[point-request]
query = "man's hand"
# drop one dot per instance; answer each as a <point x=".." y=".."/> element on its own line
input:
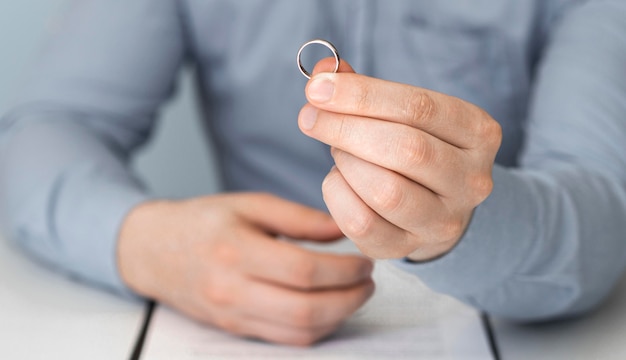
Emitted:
<point x="411" y="164"/>
<point x="217" y="260"/>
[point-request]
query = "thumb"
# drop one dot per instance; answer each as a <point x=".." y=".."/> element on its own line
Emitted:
<point x="292" y="220"/>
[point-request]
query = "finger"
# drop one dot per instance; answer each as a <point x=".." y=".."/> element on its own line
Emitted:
<point x="283" y="217"/>
<point x="328" y="65"/>
<point x="304" y="309"/>
<point x="289" y="265"/>
<point x="448" y="118"/>
<point x="248" y="326"/>
<point x="411" y="152"/>
<point x="398" y="200"/>
<point x="373" y="235"/>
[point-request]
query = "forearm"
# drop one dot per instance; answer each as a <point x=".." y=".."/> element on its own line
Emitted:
<point x="64" y="193"/>
<point x="549" y="241"/>
<point x="542" y="245"/>
<point x="65" y="183"/>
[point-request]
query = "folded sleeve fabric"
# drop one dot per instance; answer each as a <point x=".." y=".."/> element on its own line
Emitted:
<point x="65" y="184"/>
<point x="550" y="241"/>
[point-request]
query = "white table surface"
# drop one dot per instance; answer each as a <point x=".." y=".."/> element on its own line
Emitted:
<point x="44" y="315"/>
<point x="599" y="335"/>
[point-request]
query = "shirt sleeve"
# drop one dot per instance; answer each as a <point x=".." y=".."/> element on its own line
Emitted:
<point x="550" y="241"/>
<point x="65" y="183"/>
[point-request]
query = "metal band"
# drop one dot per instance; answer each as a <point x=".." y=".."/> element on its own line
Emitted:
<point x="321" y="42"/>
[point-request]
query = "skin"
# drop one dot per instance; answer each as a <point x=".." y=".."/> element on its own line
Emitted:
<point x="410" y="164"/>
<point x="217" y="260"/>
<point x="410" y="167"/>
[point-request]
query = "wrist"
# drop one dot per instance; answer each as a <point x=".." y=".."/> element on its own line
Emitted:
<point x="139" y="232"/>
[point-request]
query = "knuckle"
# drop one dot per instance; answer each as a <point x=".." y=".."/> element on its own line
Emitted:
<point x="415" y="151"/>
<point x="495" y="135"/>
<point x="362" y="99"/>
<point x="495" y="129"/>
<point x="421" y="108"/>
<point x="360" y="224"/>
<point x="225" y="254"/>
<point x="489" y="131"/>
<point x="390" y="196"/>
<point x="304" y="272"/>
<point x="452" y="230"/>
<point x="344" y="128"/>
<point x="217" y="293"/>
<point x="482" y="186"/>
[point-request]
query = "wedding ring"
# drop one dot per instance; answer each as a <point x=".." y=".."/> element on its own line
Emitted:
<point x="321" y="42"/>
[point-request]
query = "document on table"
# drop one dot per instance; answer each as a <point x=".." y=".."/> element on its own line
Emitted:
<point x="402" y="320"/>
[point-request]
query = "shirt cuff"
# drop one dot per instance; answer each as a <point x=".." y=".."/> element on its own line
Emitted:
<point x="97" y="257"/>
<point x="67" y="210"/>
<point x="497" y="240"/>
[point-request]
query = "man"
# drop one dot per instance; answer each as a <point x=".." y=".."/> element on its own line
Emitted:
<point x="497" y="174"/>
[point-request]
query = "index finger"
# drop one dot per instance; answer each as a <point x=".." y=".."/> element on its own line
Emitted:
<point x="328" y="65"/>
<point x="292" y="266"/>
<point x="448" y="118"/>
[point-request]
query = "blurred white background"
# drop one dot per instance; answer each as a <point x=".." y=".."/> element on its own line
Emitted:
<point x="177" y="162"/>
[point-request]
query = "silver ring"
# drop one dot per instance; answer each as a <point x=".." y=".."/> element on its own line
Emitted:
<point x="321" y="42"/>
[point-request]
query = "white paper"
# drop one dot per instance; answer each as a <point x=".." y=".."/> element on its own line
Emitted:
<point x="403" y="320"/>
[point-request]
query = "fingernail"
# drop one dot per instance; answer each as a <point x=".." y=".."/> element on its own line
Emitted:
<point x="308" y="117"/>
<point x="321" y="89"/>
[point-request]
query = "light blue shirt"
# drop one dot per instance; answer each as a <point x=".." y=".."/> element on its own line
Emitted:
<point x="550" y="241"/>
